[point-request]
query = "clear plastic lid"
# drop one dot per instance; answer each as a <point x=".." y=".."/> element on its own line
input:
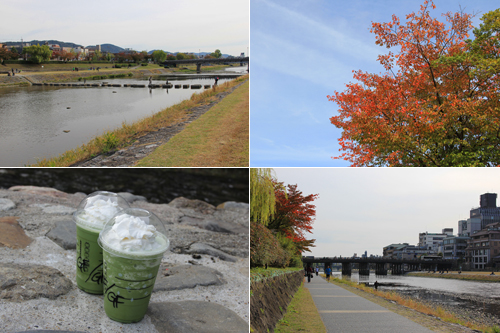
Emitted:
<point x="132" y="234"/>
<point x="97" y="208"/>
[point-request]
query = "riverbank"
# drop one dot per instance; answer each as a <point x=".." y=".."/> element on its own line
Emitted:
<point x="442" y="318"/>
<point x="30" y="73"/>
<point x="130" y="143"/>
<point x="472" y="276"/>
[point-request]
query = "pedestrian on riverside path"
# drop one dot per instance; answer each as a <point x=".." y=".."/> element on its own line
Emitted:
<point x="328" y="272"/>
<point x="309" y="273"/>
<point x="317" y="271"/>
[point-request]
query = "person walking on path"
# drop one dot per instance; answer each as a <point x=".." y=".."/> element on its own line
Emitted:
<point x="309" y="273"/>
<point x="328" y="272"/>
<point x="317" y="271"/>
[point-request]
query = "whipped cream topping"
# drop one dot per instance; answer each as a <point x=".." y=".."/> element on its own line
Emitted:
<point x="98" y="211"/>
<point x="131" y="234"/>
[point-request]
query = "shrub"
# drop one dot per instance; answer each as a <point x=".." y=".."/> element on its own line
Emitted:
<point x="265" y="248"/>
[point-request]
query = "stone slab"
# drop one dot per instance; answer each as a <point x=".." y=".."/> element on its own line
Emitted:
<point x="21" y="282"/>
<point x="200" y="248"/>
<point x="11" y="233"/>
<point x="6" y="204"/>
<point x="186" y="276"/>
<point x="64" y="234"/>
<point x="195" y="317"/>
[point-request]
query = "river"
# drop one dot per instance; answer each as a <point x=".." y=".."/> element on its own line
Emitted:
<point x="454" y="295"/>
<point x="35" y="120"/>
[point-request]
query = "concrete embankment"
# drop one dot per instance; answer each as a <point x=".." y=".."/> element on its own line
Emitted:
<point x="269" y="299"/>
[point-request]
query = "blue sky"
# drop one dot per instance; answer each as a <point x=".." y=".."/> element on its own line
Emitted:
<point x="302" y="51"/>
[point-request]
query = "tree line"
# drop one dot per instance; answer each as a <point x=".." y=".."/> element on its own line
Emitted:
<point x="38" y="54"/>
<point x="280" y="218"/>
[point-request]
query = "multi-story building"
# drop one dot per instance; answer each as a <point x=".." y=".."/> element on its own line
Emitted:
<point x="454" y="247"/>
<point x="405" y="251"/>
<point x="432" y="241"/>
<point x="469" y="226"/>
<point x="487" y="212"/>
<point x="483" y="247"/>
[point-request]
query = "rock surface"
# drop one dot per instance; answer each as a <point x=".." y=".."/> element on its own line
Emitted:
<point x="193" y="316"/>
<point x="11" y="233"/>
<point x="37" y="282"/>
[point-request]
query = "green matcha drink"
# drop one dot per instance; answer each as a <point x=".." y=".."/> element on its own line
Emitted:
<point x="92" y="213"/>
<point x="132" y="252"/>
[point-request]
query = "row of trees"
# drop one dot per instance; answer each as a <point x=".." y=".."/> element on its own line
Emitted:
<point x="280" y="217"/>
<point x="438" y="104"/>
<point x="38" y="54"/>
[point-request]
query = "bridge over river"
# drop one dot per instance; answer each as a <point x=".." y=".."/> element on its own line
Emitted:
<point x="382" y="265"/>
<point x="199" y="62"/>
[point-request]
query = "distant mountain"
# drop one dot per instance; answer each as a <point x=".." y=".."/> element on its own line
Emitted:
<point x="111" y="48"/>
<point x="41" y="42"/>
<point x="104" y="47"/>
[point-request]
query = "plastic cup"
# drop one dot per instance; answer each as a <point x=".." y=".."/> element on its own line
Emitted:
<point x="129" y="276"/>
<point x="89" y="275"/>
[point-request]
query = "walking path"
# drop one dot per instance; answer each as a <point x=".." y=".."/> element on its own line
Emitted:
<point x="345" y="312"/>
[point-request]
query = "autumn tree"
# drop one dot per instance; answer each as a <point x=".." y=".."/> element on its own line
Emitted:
<point x="432" y="107"/>
<point x="294" y="215"/>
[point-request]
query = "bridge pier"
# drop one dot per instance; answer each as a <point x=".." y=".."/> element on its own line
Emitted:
<point x="364" y="268"/>
<point x="380" y="269"/>
<point x="397" y="269"/>
<point x="198" y="67"/>
<point x="346" y="268"/>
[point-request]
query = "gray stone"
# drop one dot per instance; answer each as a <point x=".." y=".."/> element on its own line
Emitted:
<point x="196" y="317"/>
<point x="131" y="197"/>
<point x="187" y="276"/>
<point x="21" y="282"/>
<point x="6" y="204"/>
<point x="50" y="331"/>
<point x="214" y="225"/>
<point x="201" y="248"/>
<point x="64" y="234"/>
<point x="56" y="209"/>
<point x="196" y="205"/>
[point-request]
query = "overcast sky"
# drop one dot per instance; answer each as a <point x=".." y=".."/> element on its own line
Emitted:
<point x="365" y="209"/>
<point x="170" y="25"/>
<point x="303" y="51"/>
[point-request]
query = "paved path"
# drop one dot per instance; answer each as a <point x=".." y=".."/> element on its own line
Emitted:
<point x="345" y="312"/>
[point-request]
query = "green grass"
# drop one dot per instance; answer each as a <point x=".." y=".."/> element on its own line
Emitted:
<point x="301" y="315"/>
<point x="219" y="138"/>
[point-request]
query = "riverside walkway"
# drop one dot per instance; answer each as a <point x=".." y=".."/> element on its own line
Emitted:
<point x="345" y="312"/>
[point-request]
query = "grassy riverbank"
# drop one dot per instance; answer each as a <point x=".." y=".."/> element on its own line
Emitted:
<point x="471" y="276"/>
<point x="301" y="315"/>
<point x="420" y="307"/>
<point x="128" y="133"/>
<point x="218" y="139"/>
<point x="63" y="72"/>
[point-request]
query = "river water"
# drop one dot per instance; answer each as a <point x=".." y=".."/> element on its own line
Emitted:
<point x="455" y="295"/>
<point x="33" y="119"/>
